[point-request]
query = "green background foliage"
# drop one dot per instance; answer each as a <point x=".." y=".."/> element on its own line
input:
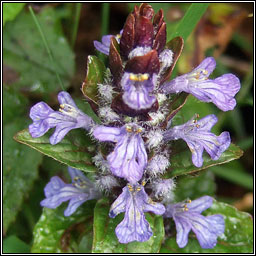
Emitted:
<point x="30" y="76"/>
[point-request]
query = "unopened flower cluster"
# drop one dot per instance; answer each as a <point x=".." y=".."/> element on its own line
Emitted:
<point x="136" y="130"/>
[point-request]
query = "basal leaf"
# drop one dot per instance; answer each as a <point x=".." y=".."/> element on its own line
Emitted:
<point x="237" y="238"/>
<point x="11" y="10"/>
<point x="20" y="170"/>
<point x="85" y="245"/>
<point x="24" y="51"/>
<point x="74" y="150"/>
<point x="14" y="104"/>
<point x="55" y="233"/>
<point x="105" y="240"/>
<point x="94" y="75"/>
<point x="13" y="244"/>
<point x="181" y="162"/>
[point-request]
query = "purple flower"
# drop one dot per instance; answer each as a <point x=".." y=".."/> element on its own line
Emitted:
<point x="79" y="191"/>
<point x="198" y="137"/>
<point x="138" y="90"/>
<point x="188" y="216"/>
<point x="67" y="118"/>
<point x="129" y="157"/>
<point x="104" y="45"/>
<point x="134" y="202"/>
<point x="220" y="91"/>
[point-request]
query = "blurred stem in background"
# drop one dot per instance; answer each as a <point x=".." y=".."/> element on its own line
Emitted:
<point x="104" y="25"/>
<point x="78" y="7"/>
<point x="242" y="97"/>
<point x="46" y="46"/>
<point x="105" y="18"/>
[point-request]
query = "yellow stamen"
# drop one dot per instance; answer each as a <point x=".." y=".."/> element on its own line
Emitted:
<point x="130" y="187"/>
<point x="133" y="77"/>
<point x="128" y="128"/>
<point x="197" y="75"/>
<point x="144" y="77"/>
<point x="139" y="77"/>
<point x="139" y="130"/>
<point x="205" y="72"/>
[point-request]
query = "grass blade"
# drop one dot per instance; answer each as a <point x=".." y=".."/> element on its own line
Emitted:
<point x="78" y="7"/>
<point x="189" y="21"/>
<point x="46" y="45"/>
<point x="104" y="26"/>
<point x="105" y="18"/>
<point x="234" y="172"/>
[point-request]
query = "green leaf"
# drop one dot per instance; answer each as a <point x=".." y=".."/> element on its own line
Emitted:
<point x="14" y="104"/>
<point x="83" y="105"/>
<point x="189" y="21"/>
<point x="181" y="162"/>
<point x="191" y="107"/>
<point x="74" y="150"/>
<point x="30" y="210"/>
<point x="24" y="51"/>
<point x="105" y="240"/>
<point x="20" y="170"/>
<point x="246" y="143"/>
<point x="11" y="10"/>
<point x="237" y="238"/>
<point x="95" y="75"/>
<point x="243" y="42"/>
<point x="85" y="245"/>
<point x="13" y="244"/>
<point x="55" y="233"/>
<point x="247" y="83"/>
<point x="193" y="187"/>
<point x="234" y="172"/>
